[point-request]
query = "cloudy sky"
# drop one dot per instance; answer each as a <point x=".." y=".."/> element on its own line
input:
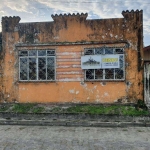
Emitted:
<point x="41" y="10"/>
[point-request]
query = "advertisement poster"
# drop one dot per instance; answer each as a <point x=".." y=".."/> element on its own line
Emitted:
<point x="91" y="62"/>
<point x="110" y="61"/>
<point x="99" y="61"/>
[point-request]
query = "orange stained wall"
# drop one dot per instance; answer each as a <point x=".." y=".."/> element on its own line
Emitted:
<point x="69" y="35"/>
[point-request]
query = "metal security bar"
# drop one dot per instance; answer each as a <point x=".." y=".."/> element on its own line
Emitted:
<point x="37" y="65"/>
<point x="108" y="73"/>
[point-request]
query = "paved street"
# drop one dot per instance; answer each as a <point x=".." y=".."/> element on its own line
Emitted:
<point x="73" y="138"/>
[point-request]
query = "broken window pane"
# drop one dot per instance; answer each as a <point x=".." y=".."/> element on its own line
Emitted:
<point x="42" y="68"/>
<point x="32" y="68"/>
<point x="23" y="69"/>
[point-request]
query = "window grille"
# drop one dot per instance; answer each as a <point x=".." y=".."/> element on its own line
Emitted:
<point x="37" y="65"/>
<point x="107" y="73"/>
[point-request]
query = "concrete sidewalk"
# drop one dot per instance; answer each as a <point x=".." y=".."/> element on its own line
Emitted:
<point x="68" y="119"/>
<point x="73" y="138"/>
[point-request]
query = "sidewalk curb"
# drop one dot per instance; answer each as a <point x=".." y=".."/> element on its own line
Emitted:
<point x="78" y="120"/>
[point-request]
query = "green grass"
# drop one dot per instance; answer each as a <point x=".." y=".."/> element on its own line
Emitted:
<point x="4" y="108"/>
<point x="27" y="108"/>
<point x="22" y="108"/>
<point x="112" y="110"/>
<point x="38" y="110"/>
<point x="136" y="110"/>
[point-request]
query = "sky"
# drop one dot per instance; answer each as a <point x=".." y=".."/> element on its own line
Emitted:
<point x="41" y="10"/>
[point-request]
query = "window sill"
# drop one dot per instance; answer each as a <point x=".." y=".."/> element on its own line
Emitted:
<point x="42" y="81"/>
<point x="105" y="80"/>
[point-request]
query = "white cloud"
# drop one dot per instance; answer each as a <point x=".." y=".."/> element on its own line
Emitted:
<point x="41" y="10"/>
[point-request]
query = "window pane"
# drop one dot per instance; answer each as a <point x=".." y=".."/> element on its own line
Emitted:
<point x="108" y="50"/>
<point x="119" y="74"/>
<point x="23" y="53"/>
<point x="32" y="53"/>
<point x="109" y="73"/>
<point x="50" y="68"/>
<point x="121" y="61"/>
<point x="99" y="51"/>
<point x="99" y="74"/>
<point x="23" y="69"/>
<point x="90" y="74"/>
<point x="119" y="51"/>
<point x="42" y="53"/>
<point x="42" y="68"/>
<point x="51" y="53"/>
<point x="32" y="68"/>
<point x="89" y="52"/>
<point x="37" y="65"/>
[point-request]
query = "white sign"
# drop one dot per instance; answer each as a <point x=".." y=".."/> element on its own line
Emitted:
<point x="99" y="61"/>
<point x="110" y="61"/>
<point x="91" y="62"/>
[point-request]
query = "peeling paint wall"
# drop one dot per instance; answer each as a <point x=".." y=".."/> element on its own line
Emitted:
<point x="69" y="35"/>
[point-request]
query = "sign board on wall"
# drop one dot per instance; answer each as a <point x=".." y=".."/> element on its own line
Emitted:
<point x="110" y="61"/>
<point x="91" y="62"/>
<point x="99" y="61"/>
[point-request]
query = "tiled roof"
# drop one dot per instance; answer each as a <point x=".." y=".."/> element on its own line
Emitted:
<point x="146" y="48"/>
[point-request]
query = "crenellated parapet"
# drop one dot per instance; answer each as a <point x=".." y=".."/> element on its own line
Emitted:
<point x="9" y="23"/>
<point x="67" y="16"/>
<point x="131" y="15"/>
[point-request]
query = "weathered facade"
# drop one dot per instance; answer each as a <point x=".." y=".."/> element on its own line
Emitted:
<point x="72" y="59"/>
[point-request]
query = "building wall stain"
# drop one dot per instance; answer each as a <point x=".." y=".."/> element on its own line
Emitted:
<point x="69" y="35"/>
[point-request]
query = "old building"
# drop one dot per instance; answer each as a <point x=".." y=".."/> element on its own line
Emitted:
<point x="73" y="59"/>
<point x="146" y="54"/>
<point x="147" y="75"/>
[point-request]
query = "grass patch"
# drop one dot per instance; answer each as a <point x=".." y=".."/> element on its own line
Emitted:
<point x="137" y="110"/>
<point x="38" y="110"/>
<point x="4" y="108"/>
<point x="22" y="108"/>
<point x="112" y="110"/>
<point x="133" y="111"/>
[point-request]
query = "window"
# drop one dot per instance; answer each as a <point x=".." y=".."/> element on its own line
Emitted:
<point x="37" y="65"/>
<point x="106" y="73"/>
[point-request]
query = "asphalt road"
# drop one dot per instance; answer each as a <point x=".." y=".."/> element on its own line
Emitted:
<point x="73" y="138"/>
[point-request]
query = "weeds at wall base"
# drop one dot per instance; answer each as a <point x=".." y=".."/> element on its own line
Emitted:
<point x="126" y="110"/>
